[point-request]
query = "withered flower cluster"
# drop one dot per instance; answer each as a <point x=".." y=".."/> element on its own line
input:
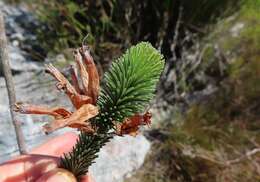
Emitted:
<point x="83" y="93"/>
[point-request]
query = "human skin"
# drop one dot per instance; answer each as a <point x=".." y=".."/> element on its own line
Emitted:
<point x="41" y="164"/>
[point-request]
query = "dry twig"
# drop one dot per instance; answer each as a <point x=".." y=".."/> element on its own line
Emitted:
<point x="4" y="59"/>
<point x="247" y="155"/>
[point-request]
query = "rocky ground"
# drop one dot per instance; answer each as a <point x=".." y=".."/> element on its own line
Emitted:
<point x="216" y="139"/>
<point x="34" y="86"/>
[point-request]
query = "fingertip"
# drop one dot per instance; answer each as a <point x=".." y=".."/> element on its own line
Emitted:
<point x="57" y="175"/>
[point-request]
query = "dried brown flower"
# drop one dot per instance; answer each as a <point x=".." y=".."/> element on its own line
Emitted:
<point x="83" y="98"/>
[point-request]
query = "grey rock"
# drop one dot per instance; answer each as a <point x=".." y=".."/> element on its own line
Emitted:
<point x="33" y="88"/>
<point x="120" y="158"/>
<point x="236" y="29"/>
<point x="19" y="22"/>
<point x="20" y="63"/>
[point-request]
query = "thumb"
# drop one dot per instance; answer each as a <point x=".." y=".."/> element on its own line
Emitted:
<point x="57" y="175"/>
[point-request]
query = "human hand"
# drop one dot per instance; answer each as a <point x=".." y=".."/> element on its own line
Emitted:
<point x="41" y="164"/>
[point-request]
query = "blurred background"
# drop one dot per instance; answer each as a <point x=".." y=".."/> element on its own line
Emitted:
<point x="206" y="113"/>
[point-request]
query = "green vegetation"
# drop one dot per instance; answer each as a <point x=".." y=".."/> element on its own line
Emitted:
<point x="118" y="22"/>
<point x="111" y="26"/>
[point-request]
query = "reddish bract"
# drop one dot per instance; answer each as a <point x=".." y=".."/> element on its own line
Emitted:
<point x="131" y="125"/>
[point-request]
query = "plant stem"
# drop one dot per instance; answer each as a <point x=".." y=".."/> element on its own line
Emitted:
<point x="4" y="60"/>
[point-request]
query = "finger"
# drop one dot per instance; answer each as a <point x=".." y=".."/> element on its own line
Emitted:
<point x="57" y="175"/>
<point x="57" y="146"/>
<point x="62" y="175"/>
<point x="33" y="166"/>
<point x="27" y="168"/>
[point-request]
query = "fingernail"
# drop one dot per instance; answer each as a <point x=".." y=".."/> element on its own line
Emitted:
<point x="58" y="175"/>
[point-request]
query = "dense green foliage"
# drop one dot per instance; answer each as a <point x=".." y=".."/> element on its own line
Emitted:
<point x="118" y="23"/>
<point x="128" y="89"/>
<point x="129" y="84"/>
<point x="113" y="25"/>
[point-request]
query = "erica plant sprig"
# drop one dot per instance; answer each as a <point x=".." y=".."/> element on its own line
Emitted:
<point x="117" y="109"/>
<point x="129" y="84"/>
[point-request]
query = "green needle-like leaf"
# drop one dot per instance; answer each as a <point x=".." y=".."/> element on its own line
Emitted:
<point x="130" y="83"/>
